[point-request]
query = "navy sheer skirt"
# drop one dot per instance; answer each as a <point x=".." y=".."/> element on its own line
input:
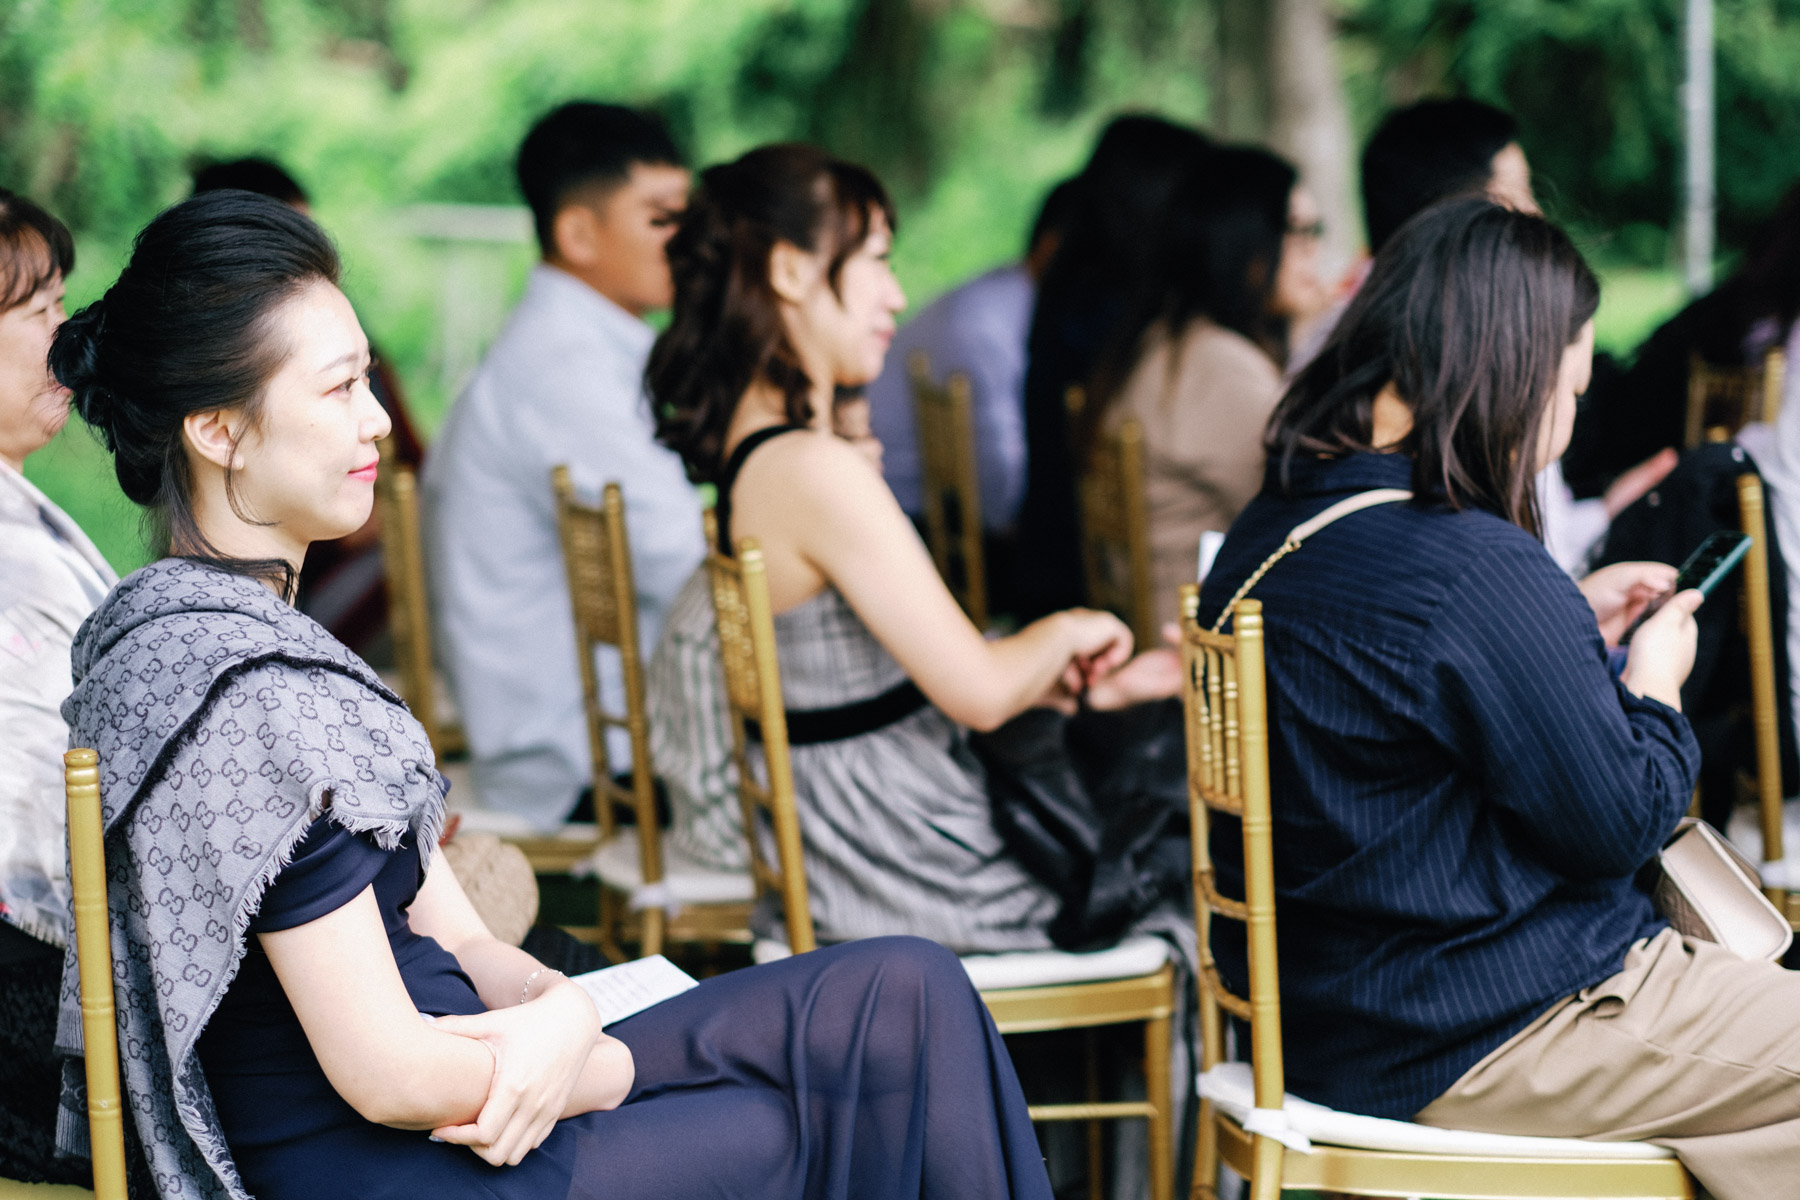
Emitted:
<point x="869" y="1070"/>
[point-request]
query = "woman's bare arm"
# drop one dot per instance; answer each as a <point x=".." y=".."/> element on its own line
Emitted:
<point x="394" y="1069"/>
<point x="824" y="515"/>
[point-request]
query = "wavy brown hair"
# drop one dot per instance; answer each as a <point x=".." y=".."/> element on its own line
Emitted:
<point x="725" y="331"/>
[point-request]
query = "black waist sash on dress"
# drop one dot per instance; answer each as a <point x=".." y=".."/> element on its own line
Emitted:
<point x="810" y="726"/>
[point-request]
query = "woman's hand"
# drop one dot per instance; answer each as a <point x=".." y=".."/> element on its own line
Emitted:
<point x="540" y="1051"/>
<point x="1618" y="593"/>
<point x="1099" y="643"/>
<point x="1662" y="650"/>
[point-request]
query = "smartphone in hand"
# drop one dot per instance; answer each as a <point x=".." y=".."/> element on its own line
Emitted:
<point x="1704" y="570"/>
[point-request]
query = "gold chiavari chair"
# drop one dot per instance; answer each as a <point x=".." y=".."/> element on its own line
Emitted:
<point x="1722" y="400"/>
<point x="1115" y="526"/>
<point x="946" y="424"/>
<point x="403" y="561"/>
<point x="1759" y="631"/>
<point x="99" y="1026"/>
<point x="1026" y="992"/>
<point x="1277" y="1141"/>
<point x="675" y="900"/>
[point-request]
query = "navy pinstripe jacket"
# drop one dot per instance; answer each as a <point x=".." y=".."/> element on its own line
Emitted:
<point x="1463" y="792"/>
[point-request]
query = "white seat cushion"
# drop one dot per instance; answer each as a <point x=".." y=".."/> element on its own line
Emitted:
<point x="1036" y="968"/>
<point x="1231" y="1087"/>
<point x="1745" y="831"/>
<point x="617" y="865"/>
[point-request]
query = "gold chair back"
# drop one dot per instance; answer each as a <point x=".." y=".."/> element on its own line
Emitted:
<point x="1722" y="400"/>
<point x="603" y="595"/>
<point x="403" y="561"/>
<point x="1759" y="631"/>
<point x="1225" y="700"/>
<point x="946" y="425"/>
<point x="93" y="952"/>
<point x="1115" y="530"/>
<point x="740" y="591"/>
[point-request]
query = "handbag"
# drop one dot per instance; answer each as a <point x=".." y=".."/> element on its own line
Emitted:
<point x="1094" y="807"/>
<point x="1706" y="890"/>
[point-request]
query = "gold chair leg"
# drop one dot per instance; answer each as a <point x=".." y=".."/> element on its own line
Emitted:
<point x="650" y="929"/>
<point x="1157" y="1088"/>
<point x="1206" y="1155"/>
<point x="610" y="918"/>
<point x="1096" y="1180"/>
<point x="1265" y="1181"/>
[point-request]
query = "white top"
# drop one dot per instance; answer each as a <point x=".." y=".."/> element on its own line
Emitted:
<point x="51" y="578"/>
<point x="979" y="329"/>
<point x="563" y="383"/>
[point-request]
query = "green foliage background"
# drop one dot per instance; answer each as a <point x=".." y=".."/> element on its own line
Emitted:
<point x="969" y="108"/>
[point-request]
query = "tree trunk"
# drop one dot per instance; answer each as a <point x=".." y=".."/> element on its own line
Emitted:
<point x="1309" y="121"/>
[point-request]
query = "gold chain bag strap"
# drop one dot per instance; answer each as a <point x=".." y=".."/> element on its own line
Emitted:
<point x="1306" y="529"/>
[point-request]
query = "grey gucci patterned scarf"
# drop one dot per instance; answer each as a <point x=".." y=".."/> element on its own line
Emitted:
<point x="225" y="722"/>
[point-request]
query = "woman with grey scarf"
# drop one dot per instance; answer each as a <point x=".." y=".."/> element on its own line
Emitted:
<point x="280" y="920"/>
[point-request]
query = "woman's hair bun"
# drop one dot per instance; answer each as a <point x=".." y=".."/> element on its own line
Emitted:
<point x="75" y="361"/>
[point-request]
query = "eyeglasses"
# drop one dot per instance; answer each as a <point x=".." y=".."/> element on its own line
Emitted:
<point x="1314" y="230"/>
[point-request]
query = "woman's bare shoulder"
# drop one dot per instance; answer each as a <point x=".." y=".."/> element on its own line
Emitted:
<point x="811" y="459"/>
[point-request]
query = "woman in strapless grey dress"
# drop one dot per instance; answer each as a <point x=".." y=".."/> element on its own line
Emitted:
<point x="783" y="296"/>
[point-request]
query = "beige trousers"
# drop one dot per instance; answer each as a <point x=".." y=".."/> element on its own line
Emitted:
<point x="1688" y="1046"/>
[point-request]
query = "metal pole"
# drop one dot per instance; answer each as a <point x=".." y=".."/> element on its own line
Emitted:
<point x="1697" y="103"/>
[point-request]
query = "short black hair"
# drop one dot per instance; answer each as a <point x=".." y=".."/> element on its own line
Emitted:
<point x="1428" y="152"/>
<point x="257" y="175"/>
<point x="35" y="248"/>
<point x="1053" y="214"/>
<point x="584" y="144"/>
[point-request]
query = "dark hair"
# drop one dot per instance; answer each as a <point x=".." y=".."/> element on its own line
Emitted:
<point x="584" y="144"/>
<point x="1467" y="311"/>
<point x="257" y="175"/>
<point x="187" y="329"/>
<point x="725" y="329"/>
<point x="1112" y="240"/>
<point x="1428" y="152"/>
<point x="1222" y="248"/>
<point x="1053" y="215"/>
<point x="35" y="248"/>
<point x="1767" y="281"/>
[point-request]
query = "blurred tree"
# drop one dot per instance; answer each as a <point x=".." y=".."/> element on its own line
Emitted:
<point x="1596" y="87"/>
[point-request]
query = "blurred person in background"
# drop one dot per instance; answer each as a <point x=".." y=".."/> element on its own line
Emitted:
<point x="342" y="586"/>
<point x="51" y="578"/>
<point x="1637" y="413"/>
<point x="1111" y="253"/>
<point x="1429" y="152"/>
<point x="1198" y="364"/>
<point x="562" y="384"/>
<point x="978" y="329"/>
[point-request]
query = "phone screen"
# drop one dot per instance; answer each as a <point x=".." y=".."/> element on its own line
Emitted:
<point x="1704" y="569"/>
<point x="1713" y="561"/>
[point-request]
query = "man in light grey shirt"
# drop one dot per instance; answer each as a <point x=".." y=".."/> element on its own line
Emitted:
<point x="563" y="383"/>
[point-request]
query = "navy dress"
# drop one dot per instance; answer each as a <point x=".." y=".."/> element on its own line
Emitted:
<point x="869" y="1069"/>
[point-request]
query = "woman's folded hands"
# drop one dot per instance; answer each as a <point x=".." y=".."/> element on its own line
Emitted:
<point x="550" y="1061"/>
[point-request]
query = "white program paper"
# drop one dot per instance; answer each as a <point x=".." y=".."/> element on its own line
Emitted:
<point x="618" y="992"/>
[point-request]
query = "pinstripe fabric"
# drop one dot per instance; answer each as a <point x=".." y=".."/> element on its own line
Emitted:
<point x="1463" y="792"/>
